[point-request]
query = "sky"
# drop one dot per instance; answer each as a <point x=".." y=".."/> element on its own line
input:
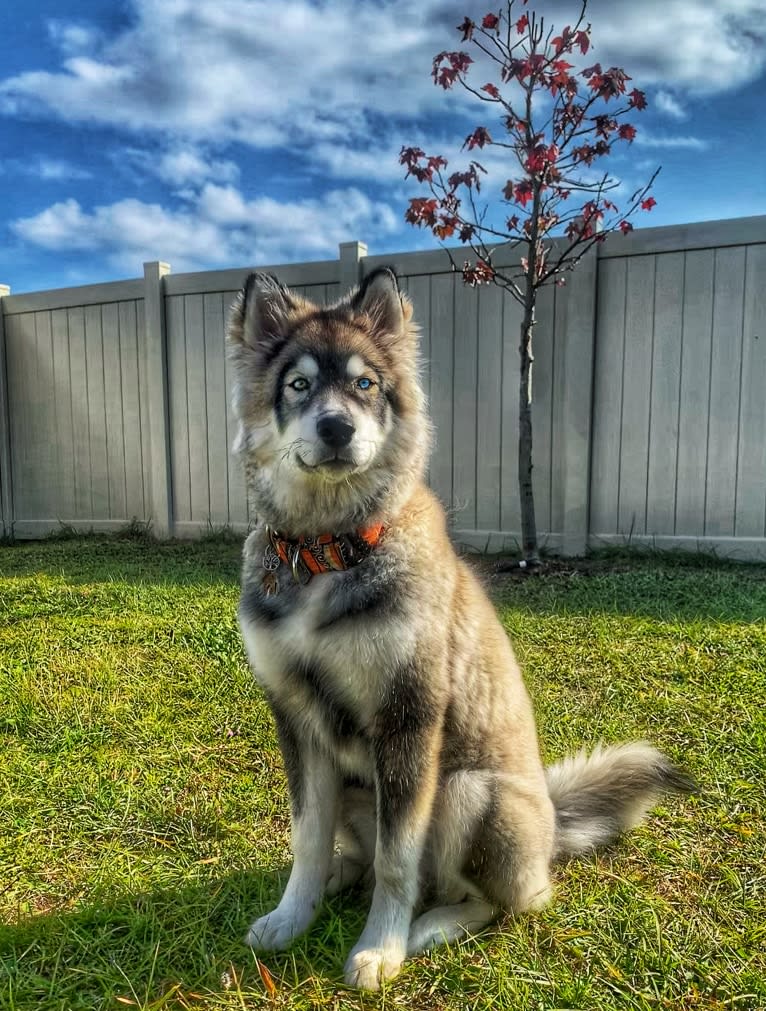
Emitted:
<point x="231" y="133"/>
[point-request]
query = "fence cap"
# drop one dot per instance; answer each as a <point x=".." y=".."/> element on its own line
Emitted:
<point x="156" y="266"/>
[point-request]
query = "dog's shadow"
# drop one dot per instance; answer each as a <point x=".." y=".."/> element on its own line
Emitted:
<point x="138" y="948"/>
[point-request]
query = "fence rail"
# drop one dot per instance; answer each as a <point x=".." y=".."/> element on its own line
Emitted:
<point x="649" y="413"/>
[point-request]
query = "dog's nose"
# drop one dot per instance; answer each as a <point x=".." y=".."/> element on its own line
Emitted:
<point x="335" y="430"/>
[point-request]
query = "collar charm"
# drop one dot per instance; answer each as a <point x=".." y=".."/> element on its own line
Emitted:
<point x="311" y="556"/>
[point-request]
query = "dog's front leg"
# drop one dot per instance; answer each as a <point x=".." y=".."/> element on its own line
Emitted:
<point x="406" y="746"/>
<point x="314" y="797"/>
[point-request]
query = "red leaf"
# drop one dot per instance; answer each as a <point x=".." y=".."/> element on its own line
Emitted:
<point x="466" y="28"/>
<point x="482" y="273"/>
<point x="522" y="24"/>
<point x="604" y="125"/>
<point x="584" y="153"/>
<point x="561" y="79"/>
<point x="582" y="39"/>
<point x="563" y="43"/>
<point x="522" y="192"/>
<point x="421" y="212"/>
<point x="608" y="83"/>
<point x="637" y="99"/>
<point x="491" y="90"/>
<point x="490" y="21"/>
<point x="646" y="205"/>
<point x="446" y="76"/>
<point x="627" y="132"/>
<point x="478" y="138"/>
<point x="625" y="227"/>
<point x="541" y="157"/>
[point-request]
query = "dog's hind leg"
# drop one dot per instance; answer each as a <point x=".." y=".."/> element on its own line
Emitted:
<point x="354" y="840"/>
<point x="446" y="924"/>
<point x="510" y="858"/>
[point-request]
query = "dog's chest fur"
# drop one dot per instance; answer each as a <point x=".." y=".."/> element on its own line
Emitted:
<point x="324" y="652"/>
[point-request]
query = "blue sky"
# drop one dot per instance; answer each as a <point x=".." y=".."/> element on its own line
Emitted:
<point x="220" y="133"/>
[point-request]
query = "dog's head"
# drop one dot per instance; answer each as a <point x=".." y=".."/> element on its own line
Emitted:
<point x="331" y="414"/>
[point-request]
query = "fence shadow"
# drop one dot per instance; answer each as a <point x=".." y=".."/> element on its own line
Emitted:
<point x="86" y="559"/>
<point x="665" y="586"/>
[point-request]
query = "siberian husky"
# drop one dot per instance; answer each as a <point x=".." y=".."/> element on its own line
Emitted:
<point x="407" y="734"/>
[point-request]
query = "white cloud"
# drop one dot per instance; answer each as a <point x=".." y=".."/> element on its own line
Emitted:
<point x="53" y="169"/>
<point x="48" y="169"/>
<point x="277" y="74"/>
<point x="689" y="143"/>
<point x="248" y="70"/>
<point x="181" y="165"/>
<point x="693" y="45"/>
<point x="71" y="37"/>
<point x="217" y="227"/>
<point x="667" y="104"/>
<point x="320" y="76"/>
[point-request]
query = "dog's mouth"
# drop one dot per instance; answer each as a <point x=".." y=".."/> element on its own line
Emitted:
<point x="332" y="466"/>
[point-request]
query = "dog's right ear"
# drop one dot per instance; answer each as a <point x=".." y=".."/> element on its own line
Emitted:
<point x="260" y="316"/>
<point x="380" y="299"/>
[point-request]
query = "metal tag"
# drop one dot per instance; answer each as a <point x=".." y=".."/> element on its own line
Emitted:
<point x="271" y="562"/>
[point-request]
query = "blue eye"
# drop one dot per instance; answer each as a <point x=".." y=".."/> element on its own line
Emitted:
<point x="300" y="384"/>
<point x="364" y="383"/>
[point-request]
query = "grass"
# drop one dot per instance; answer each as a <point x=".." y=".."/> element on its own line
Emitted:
<point x="143" y="817"/>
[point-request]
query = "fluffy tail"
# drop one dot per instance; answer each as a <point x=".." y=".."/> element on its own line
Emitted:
<point x="601" y="795"/>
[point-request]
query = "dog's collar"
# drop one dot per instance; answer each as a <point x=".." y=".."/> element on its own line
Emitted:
<point x="310" y="556"/>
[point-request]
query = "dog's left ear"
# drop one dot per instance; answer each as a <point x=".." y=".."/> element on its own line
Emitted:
<point x="381" y="301"/>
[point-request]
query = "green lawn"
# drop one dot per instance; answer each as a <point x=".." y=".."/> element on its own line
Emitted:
<point x="143" y="817"/>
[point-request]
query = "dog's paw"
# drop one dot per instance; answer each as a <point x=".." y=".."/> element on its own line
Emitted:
<point x="274" y="932"/>
<point x="369" y="968"/>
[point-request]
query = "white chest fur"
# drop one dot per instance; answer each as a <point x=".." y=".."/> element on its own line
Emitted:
<point x="356" y="657"/>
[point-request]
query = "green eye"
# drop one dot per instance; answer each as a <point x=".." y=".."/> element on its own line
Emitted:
<point x="300" y="384"/>
<point x="364" y="383"/>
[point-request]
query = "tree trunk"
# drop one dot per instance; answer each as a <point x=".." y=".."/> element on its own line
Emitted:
<point x="526" y="495"/>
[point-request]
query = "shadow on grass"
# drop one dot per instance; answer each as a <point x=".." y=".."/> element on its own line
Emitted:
<point x="140" y="948"/>
<point x="88" y="559"/>
<point x="667" y="587"/>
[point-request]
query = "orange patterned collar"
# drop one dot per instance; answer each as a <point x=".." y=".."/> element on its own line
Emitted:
<point x="310" y="556"/>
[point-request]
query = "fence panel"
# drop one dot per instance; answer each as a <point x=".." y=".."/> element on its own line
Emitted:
<point x="75" y="402"/>
<point x="679" y="414"/>
<point x="649" y="411"/>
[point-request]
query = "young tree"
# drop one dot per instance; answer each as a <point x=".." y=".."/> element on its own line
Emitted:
<point x="555" y="126"/>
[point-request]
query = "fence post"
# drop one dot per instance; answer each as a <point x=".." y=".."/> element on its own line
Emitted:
<point x="155" y="344"/>
<point x="6" y="495"/>
<point x="577" y="407"/>
<point x="350" y="255"/>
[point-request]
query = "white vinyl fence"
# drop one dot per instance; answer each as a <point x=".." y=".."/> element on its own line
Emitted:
<point x="649" y="410"/>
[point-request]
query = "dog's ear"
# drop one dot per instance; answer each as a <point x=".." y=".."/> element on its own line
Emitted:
<point x="260" y="316"/>
<point x="380" y="300"/>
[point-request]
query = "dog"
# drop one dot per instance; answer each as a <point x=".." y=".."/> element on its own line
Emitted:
<point x="408" y="738"/>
